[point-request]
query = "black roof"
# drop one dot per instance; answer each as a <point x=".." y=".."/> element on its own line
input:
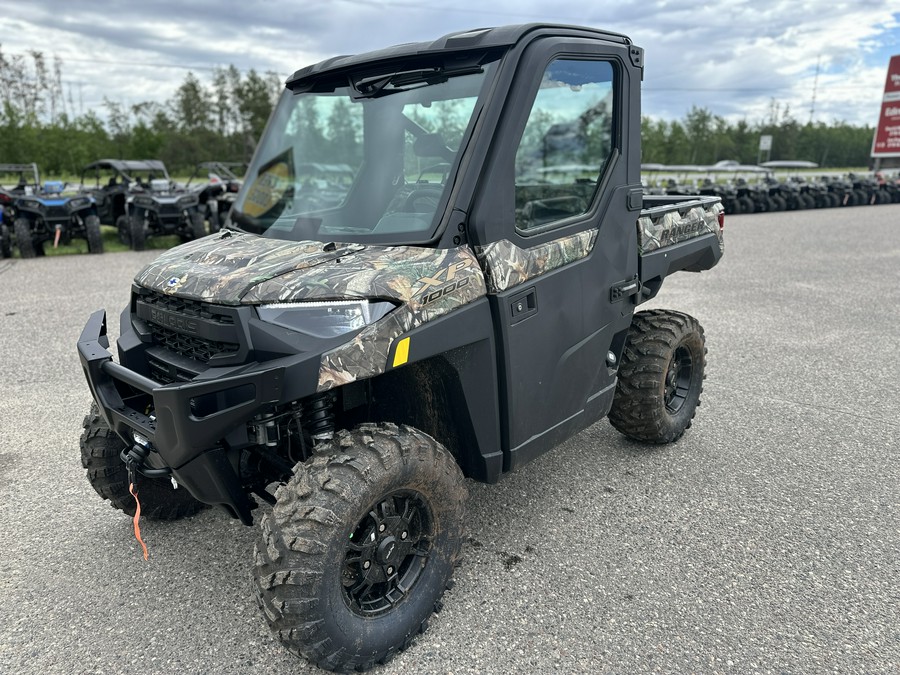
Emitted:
<point x="479" y="38"/>
<point x="126" y="165"/>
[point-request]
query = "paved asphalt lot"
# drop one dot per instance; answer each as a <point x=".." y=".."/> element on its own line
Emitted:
<point x="766" y="540"/>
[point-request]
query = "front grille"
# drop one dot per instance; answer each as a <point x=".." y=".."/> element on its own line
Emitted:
<point x="189" y="308"/>
<point x="169" y="210"/>
<point x="56" y="212"/>
<point x="189" y="328"/>
<point x="190" y="346"/>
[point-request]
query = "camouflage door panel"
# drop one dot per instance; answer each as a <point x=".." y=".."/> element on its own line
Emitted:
<point x="506" y="265"/>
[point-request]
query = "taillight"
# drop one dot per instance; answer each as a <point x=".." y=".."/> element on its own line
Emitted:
<point x="721" y="220"/>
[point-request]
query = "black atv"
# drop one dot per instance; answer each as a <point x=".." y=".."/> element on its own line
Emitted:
<point x="142" y="201"/>
<point x="218" y="193"/>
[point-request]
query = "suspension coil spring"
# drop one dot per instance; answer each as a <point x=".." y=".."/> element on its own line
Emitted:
<point x="318" y="415"/>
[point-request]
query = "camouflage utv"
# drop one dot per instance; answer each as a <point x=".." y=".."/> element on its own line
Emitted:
<point x="335" y="365"/>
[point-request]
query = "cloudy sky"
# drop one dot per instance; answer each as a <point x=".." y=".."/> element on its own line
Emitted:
<point x="732" y="57"/>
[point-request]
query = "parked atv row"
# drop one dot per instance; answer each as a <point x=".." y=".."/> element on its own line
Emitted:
<point x="769" y="193"/>
<point x="141" y="200"/>
<point x="137" y="197"/>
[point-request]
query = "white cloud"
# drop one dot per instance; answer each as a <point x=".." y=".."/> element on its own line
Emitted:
<point x="732" y="57"/>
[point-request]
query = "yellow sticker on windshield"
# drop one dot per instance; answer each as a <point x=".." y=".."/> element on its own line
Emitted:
<point x="268" y="189"/>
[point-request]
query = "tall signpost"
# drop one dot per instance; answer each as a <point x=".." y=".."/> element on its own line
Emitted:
<point x="887" y="135"/>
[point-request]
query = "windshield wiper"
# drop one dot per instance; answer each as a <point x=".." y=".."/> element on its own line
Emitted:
<point x="404" y="80"/>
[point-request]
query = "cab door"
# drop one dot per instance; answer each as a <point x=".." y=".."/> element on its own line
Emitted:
<point x="555" y="219"/>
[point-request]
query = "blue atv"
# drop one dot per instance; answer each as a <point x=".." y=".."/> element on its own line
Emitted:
<point x="49" y="213"/>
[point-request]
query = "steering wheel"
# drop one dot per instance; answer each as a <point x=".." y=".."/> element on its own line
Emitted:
<point x="424" y="198"/>
<point x="442" y="168"/>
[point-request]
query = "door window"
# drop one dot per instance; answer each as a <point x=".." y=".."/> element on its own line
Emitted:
<point x="567" y="141"/>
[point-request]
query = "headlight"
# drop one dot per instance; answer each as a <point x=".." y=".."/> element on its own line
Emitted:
<point x="78" y="203"/>
<point x="325" y="319"/>
<point x="145" y="202"/>
<point x="30" y="204"/>
<point x="187" y="201"/>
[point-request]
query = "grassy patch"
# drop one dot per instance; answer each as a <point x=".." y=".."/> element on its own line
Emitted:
<point x="111" y="244"/>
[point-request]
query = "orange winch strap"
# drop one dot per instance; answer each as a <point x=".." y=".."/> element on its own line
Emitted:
<point x="137" y="516"/>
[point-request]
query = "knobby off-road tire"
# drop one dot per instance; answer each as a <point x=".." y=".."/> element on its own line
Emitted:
<point x="360" y="546"/>
<point x="137" y="235"/>
<point x="23" y="238"/>
<point x="5" y="241"/>
<point x="100" y="448"/>
<point x="660" y="376"/>
<point x="196" y="227"/>
<point x="93" y="234"/>
<point x="123" y="227"/>
<point x="212" y="214"/>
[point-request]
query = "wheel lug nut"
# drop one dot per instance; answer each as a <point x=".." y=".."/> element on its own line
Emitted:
<point x="390" y="570"/>
<point x="367" y="565"/>
<point x="381" y="528"/>
<point x="404" y="535"/>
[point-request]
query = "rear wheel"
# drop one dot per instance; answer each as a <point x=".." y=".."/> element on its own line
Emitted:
<point x="93" y="234"/>
<point x="23" y="238"/>
<point x="660" y="377"/>
<point x="106" y="472"/>
<point x="360" y="546"/>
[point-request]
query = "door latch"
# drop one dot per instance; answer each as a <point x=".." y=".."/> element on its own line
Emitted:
<point x="624" y="289"/>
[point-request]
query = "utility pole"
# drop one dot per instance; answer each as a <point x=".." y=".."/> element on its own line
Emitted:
<point x="812" y="107"/>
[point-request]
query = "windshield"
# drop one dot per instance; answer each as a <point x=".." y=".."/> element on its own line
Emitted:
<point x="366" y="162"/>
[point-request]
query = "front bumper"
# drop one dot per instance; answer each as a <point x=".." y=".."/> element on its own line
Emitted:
<point x="177" y="433"/>
<point x="181" y="439"/>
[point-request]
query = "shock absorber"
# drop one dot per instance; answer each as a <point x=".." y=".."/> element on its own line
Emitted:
<point x="318" y="416"/>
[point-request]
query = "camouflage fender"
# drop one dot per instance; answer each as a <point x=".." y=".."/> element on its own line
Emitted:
<point x="671" y="227"/>
<point x="237" y="268"/>
<point x="429" y="283"/>
<point x="506" y="265"/>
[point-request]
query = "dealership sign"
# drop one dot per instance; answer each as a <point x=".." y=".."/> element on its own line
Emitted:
<point x="887" y="135"/>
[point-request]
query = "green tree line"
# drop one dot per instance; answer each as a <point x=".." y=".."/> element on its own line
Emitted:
<point x="222" y="120"/>
<point x="704" y="138"/>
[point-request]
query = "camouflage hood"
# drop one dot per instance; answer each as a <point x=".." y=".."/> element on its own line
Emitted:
<point x="234" y="268"/>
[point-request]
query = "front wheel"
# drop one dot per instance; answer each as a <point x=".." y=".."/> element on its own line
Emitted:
<point x="212" y="214"/>
<point x="123" y="228"/>
<point x="137" y="234"/>
<point x="196" y="229"/>
<point x="5" y="241"/>
<point x="660" y="376"/>
<point x="93" y="235"/>
<point x="23" y="238"/>
<point x="106" y="472"/>
<point x="360" y="546"/>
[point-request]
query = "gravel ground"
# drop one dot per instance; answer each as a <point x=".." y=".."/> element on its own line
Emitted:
<point x="766" y="540"/>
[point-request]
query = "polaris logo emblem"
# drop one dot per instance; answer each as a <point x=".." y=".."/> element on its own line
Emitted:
<point x="171" y="320"/>
<point x="172" y="282"/>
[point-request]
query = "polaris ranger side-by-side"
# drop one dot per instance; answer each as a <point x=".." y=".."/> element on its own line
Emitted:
<point x="463" y="306"/>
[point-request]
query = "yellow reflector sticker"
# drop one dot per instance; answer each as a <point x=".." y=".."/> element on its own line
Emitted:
<point x="401" y="354"/>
